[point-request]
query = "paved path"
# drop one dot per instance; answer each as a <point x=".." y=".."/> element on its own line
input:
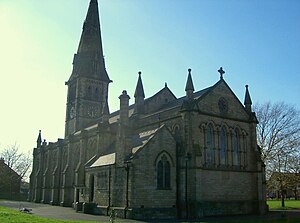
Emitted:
<point x="57" y="212"/>
<point x="66" y="213"/>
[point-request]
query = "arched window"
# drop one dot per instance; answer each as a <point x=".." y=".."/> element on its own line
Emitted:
<point x="46" y="160"/>
<point x="209" y="145"/>
<point x="96" y="93"/>
<point x="177" y="134"/>
<point x="163" y="173"/>
<point x="223" y="146"/>
<point x="89" y="92"/>
<point x="235" y="148"/>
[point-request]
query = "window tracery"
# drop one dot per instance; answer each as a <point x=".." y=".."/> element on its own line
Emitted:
<point x="209" y="139"/>
<point x="223" y="146"/>
<point x="163" y="173"/>
<point x="235" y="148"/>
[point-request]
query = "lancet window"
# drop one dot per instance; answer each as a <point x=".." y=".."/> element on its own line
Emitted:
<point x="223" y="146"/>
<point x="209" y="140"/>
<point x="163" y="173"/>
<point x="235" y="148"/>
<point x="222" y="149"/>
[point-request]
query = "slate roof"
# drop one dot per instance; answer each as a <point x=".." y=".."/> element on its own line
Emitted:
<point x="179" y="101"/>
<point x="138" y="142"/>
<point x="105" y="160"/>
<point x="172" y="104"/>
<point x="142" y="138"/>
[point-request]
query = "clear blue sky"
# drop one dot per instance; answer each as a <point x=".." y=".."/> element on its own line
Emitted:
<point x="256" y="42"/>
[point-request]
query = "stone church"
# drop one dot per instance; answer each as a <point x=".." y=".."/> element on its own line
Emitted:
<point x="161" y="157"/>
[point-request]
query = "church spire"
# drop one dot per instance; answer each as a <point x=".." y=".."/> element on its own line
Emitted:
<point x="39" y="139"/>
<point x="89" y="59"/>
<point x="189" y="87"/>
<point x="247" y="101"/>
<point x="88" y="84"/>
<point x="139" y="95"/>
<point x="139" y="90"/>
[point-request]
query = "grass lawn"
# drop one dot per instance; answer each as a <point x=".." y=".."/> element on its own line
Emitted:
<point x="289" y="204"/>
<point x="8" y="215"/>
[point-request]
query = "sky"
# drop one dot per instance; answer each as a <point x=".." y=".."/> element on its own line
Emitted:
<point x="256" y="42"/>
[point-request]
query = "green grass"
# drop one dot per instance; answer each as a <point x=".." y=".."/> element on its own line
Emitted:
<point x="289" y="204"/>
<point x="8" y="215"/>
<point x="260" y="221"/>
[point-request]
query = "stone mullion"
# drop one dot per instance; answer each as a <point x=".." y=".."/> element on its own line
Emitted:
<point x="240" y="150"/>
<point x="216" y="148"/>
<point x="204" y="147"/>
<point x="245" y="150"/>
<point x="229" y="149"/>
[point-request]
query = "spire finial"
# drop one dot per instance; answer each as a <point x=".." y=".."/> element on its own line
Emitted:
<point x="189" y="87"/>
<point x="221" y="71"/>
<point x="189" y="82"/>
<point x="247" y="101"/>
<point x="166" y="85"/>
<point x="39" y="139"/>
<point x="139" y="90"/>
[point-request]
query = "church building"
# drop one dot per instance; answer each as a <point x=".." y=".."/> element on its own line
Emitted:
<point x="160" y="157"/>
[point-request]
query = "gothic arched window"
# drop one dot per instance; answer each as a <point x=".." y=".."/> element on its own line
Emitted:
<point x="89" y="92"/>
<point x="235" y="148"/>
<point x="223" y="145"/>
<point x="96" y="93"/>
<point x="177" y="133"/>
<point x="209" y="145"/>
<point x="163" y="173"/>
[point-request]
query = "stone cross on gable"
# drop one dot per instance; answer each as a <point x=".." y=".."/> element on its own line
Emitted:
<point x="221" y="71"/>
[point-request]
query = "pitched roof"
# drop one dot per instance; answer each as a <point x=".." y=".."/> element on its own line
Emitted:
<point x="177" y="102"/>
<point x="141" y="139"/>
<point x="105" y="160"/>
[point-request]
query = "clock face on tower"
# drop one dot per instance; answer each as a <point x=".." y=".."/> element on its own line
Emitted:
<point x="72" y="112"/>
<point x="92" y="111"/>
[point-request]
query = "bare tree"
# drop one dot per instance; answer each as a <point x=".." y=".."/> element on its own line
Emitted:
<point x="16" y="160"/>
<point x="278" y="135"/>
<point x="278" y="131"/>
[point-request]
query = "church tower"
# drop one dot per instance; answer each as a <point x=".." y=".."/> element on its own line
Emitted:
<point x="88" y="83"/>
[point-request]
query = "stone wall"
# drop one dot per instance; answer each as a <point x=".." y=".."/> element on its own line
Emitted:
<point x="144" y="192"/>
